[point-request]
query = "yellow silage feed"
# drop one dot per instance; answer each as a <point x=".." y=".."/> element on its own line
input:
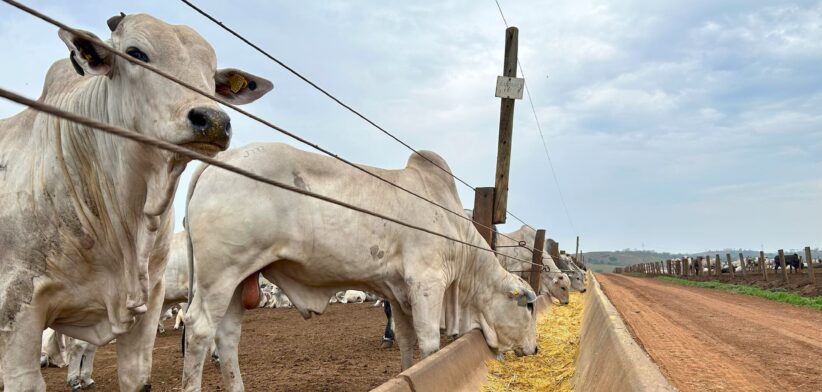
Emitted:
<point x="553" y="367"/>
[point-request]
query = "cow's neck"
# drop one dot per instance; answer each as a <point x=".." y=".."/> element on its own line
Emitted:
<point x="478" y="274"/>
<point x="119" y="190"/>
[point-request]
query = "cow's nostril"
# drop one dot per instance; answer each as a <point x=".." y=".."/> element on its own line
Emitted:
<point x="198" y="119"/>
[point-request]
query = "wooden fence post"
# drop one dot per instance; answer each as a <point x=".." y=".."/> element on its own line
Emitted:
<point x="782" y="265"/>
<point x="730" y="265"/>
<point x="718" y="266"/>
<point x="762" y="266"/>
<point x="686" y="269"/>
<point x="506" y="128"/>
<point x="577" y="252"/>
<point x="808" y="257"/>
<point x="553" y="250"/>
<point x="536" y="258"/>
<point x="742" y="264"/>
<point x="483" y="211"/>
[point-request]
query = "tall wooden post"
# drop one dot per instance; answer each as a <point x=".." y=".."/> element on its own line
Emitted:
<point x="506" y="128"/>
<point x="577" y="252"/>
<point x="686" y="269"/>
<point x="483" y="207"/>
<point x="718" y="266"/>
<point x="730" y="265"/>
<point x="782" y="265"/>
<point x="762" y="266"/>
<point x="553" y="249"/>
<point x="742" y="264"/>
<point x="536" y="258"/>
<point x="810" y="264"/>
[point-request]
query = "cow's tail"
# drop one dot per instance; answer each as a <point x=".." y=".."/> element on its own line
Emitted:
<point x="190" y="245"/>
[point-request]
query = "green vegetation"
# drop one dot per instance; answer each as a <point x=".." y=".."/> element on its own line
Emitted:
<point x="773" y="295"/>
<point x="600" y="267"/>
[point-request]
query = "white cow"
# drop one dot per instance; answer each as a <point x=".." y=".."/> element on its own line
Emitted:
<point x="552" y="281"/>
<point x="61" y="351"/>
<point x="311" y="249"/>
<point x="53" y="351"/>
<point x="353" y="297"/>
<point x="86" y="217"/>
<point x="577" y="275"/>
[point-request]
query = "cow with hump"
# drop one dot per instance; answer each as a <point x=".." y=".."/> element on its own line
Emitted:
<point x="312" y="249"/>
<point x="86" y="218"/>
<point x="553" y="282"/>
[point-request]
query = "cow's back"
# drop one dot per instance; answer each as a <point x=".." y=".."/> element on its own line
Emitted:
<point x="245" y="214"/>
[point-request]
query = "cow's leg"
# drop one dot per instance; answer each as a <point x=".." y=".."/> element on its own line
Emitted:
<point x="134" y="348"/>
<point x="87" y="366"/>
<point x="21" y="357"/>
<point x="202" y="318"/>
<point x="405" y="335"/>
<point x="181" y="314"/>
<point x="426" y="306"/>
<point x="228" y="342"/>
<point x="388" y="336"/>
<point x="74" y="349"/>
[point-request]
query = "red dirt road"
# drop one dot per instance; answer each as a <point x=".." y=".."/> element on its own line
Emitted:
<point x="709" y="340"/>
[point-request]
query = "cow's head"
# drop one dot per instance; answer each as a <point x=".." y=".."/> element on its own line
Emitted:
<point x="557" y="284"/>
<point x="577" y="281"/>
<point x="509" y="319"/>
<point x="139" y="99"/>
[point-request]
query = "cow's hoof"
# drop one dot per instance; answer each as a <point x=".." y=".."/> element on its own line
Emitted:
<point x="89" y="385"/>
<point x="146" y="388"/>
<point x="74" y="385"/>
<point x="387" y="343"/>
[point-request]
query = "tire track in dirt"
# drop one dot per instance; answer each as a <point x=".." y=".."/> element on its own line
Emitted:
<point x="708" y="340"/>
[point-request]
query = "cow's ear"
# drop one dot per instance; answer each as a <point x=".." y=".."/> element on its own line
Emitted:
<point x="240" y="87"/>
<point x="87" y="55"/>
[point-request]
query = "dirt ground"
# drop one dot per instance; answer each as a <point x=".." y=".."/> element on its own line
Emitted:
<point x="279" y="351"/>
<point x="709" y="340"/>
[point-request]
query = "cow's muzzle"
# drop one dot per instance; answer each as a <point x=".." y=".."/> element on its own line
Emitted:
<point x="210" y="127"/>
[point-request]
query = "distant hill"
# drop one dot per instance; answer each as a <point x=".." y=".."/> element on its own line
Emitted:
<point x="608" y="260"/>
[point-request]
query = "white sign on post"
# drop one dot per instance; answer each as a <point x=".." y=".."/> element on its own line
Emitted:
<point x="508" y="87"/>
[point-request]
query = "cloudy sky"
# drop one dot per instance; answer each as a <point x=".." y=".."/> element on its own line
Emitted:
<point x="676" y="125"/>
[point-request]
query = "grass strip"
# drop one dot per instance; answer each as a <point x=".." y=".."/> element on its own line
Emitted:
<point x="780" y="296"/>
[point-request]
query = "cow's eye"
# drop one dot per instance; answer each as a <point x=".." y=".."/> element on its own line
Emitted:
<point x="563" y="288"/>
<point x="137" y="54"/>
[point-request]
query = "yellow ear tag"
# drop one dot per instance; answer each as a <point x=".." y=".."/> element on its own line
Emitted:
<point x="237" y="82"/>
<point x="515" y="292"/>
